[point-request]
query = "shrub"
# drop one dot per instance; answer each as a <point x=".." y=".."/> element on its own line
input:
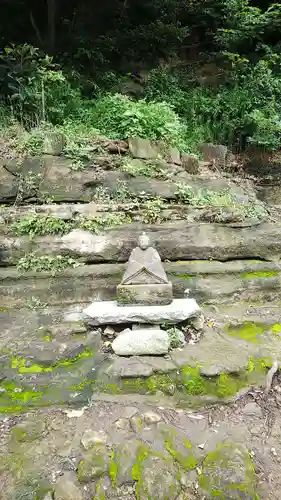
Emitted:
<point x="246" y="106"/>
<point x="34" y="87"/>
<point x="119" y="117"/>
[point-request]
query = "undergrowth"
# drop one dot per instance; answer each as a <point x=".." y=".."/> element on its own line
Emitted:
<point x="35" y="225"/>
<point x="224" y="198"/>
<point x="53" y="264"/>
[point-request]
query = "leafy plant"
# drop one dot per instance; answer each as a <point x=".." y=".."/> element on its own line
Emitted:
<point x="34" y="87"/>
<point x="122" y="192"/>
<point x="53" y="264"/>
<point x="97" y="224"/>
<point x="37" y="225"/>
<point x="119" y="117"/>
<point x="152" y="210"/>
<point x="136" y="167"/>
<point x="176" y="337"/>
<point x="223" y="198"/>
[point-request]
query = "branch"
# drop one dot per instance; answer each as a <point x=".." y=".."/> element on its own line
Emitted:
<point x="36" y="29"/>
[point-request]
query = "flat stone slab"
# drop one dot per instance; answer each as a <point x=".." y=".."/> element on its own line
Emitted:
<point x="108" y="312"/>
<point x="140" y="342"/>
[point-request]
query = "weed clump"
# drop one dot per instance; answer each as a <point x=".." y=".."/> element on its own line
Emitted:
<point x="38" y="263"/>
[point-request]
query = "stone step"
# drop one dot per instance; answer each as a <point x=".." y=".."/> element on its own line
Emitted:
<point x="208" y="281"/>
<point x="177" y="240"/>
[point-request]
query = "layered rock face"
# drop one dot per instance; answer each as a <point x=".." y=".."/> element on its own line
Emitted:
<point x="65" y="238"/>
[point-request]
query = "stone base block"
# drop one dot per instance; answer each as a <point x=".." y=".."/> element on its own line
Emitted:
<point x="160" y="294"/>
<point x="109" y="313"/>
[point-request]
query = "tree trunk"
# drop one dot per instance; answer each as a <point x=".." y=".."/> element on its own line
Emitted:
<point x="51" y="25"/>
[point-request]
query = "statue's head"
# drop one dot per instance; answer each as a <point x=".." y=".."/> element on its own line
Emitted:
<point x="144" y="241"/>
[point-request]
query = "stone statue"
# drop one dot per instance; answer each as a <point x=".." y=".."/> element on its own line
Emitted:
<point x="145" y="280"/>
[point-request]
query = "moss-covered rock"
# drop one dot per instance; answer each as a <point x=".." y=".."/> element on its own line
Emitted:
<point x="28" y="431"/>
<point x="158" y="478"/>
<point x="93" y="465"/>
<point x="228" y="473"/>
<point x="254" y="332"/>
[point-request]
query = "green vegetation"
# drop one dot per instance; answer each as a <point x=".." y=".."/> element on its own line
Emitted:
<point x="98" y="224"/>
<point x="136" y="167"/>
<point x="35" y="225"/>
<point x="53" y="264"/>
<point x="180" y="72"/>
<point x="22" y="365"/>
<point x="152" y="210"/>
<point x="223" y="198"/>
<point x="260" y="275"/>
<point x="212" y="481"/>
<point x="176" y="337"/>
<point x="254" y="332"/>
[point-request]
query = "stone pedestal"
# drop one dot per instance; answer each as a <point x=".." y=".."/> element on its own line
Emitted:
<point x="146" y="294"/>
<point x="110" y="313"/>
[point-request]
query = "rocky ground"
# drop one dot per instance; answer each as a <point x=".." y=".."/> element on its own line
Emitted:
<point x="127" y="448"/>
<point x="141" y="442"/>
<point x="78" y="422"/>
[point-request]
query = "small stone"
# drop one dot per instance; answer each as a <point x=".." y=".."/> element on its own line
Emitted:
<point x="198" y="322"/>
<point x="109" y="332"/>
<point x="256" y="430"/>
<point x="252" y="409"/>
<point x="28" y="431"/>
<point x="91" y="438"/>
<point x="109" y="312"/>
<point x="126" y="454"/>
<point x="136" y="423"/>
<point x="151" y="418"/>
<point x="66" y="489"/>
<point x="230" y="471"/>
<point x="123" y="424"/>
<point x="159" y="479"/>
<point x="143" y="342"/>
<point x="142" y="148"/>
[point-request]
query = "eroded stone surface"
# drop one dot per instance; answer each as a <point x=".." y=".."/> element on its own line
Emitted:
<point x="215" y="354"/>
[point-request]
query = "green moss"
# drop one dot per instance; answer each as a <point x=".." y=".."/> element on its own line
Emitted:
<point x="182" y="275"/>
<point x="276" y="329"/>
<point x="259" y="275"/>
<point x="187" y="461"/>
<point x="13" y="398"/>
<point x="228" y="458"/>
<point x="125" y="297"/>
<point x="152" y="385"/>
<point x="137" y="467"/>
<point x="23" y="365"/>
<point x="113" y="468"/>
<point x="92" y="466"/>
<point x="253" y="332"/>
<point x="193" y="381"/>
